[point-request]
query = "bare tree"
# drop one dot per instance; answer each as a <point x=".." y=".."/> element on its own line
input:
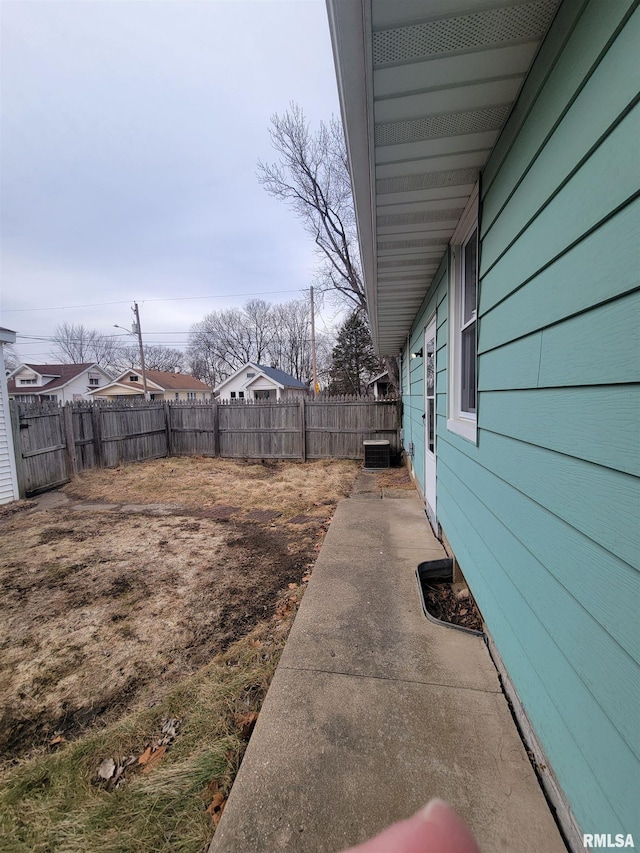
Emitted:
<point x="203" y="354"/>
<point x="11" y="358"/>
<point x="290" y="346"/>
<point x="156" y="357"/>
<point x="277" y="335"/>
<point x="258" y="324"/>
<point x="312" y="176"/>
<point x="225" y="340"/>
<point x="72" y="343"/>
<point x="75" y="344"/>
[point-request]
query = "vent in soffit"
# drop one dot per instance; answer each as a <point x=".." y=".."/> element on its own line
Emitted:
<point x="388" y="245"/>
<point x="491" y="27"/>
<point x="402" y="279"/>
<point x="420" y="217"/>
<point x="427" y="181"/>
<point x="412" y="262"/>
<point x="433" y="127"/>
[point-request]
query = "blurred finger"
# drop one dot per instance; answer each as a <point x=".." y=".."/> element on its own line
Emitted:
<point x="434" y="829"/>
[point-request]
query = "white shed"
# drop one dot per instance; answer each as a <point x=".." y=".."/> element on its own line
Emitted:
<point x="8" y="479"/>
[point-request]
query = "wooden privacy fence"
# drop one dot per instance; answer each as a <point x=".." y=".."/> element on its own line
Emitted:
<point x="54" y="443"/>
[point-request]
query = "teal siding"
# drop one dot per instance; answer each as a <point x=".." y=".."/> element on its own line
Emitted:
<point x="543" y="302"/>
<point x="567" y="354"/>
<point x="543" y="513"/>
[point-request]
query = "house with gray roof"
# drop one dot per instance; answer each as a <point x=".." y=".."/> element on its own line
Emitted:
<point x="260" y="382"/>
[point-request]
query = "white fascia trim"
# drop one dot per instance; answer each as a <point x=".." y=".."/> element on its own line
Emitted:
<point x="263" y="376"/>
<point x="103" y="388"/>
<point x="350" y="30"/>
<point x="468" y="219"/>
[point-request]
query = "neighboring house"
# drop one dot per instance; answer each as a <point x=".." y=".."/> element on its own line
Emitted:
<point x="494" y="152"/>
<point x="160" y="385"/>
<point x="259" y="382"/>
<point x="56" y="383"/>
<point x="380" y="385"/>
<point x="8" y="480"/>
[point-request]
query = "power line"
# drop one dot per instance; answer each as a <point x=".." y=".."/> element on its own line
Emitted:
<point x="144" y="301"/>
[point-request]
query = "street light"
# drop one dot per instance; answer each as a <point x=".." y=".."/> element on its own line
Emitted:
<point x="136" y="330"/>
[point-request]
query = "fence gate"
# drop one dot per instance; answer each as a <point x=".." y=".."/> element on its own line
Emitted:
<point x="42" y="458"/>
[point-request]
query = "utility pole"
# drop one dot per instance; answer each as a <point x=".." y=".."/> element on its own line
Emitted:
<point x="313" y="347"/>
<point x="138" y="331"/>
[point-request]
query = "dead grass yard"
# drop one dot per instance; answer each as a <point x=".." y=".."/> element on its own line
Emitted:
<point x="104" y="609"/>
<point x="290" y="487"/>
<point x="171" y="604"/>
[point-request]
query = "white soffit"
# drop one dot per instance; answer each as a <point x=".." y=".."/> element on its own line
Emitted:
<point x="425" y="88"/>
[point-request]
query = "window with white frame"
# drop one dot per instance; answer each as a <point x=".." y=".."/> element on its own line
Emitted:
<point x="463" y="313"/>
<point x="191" y="395"/>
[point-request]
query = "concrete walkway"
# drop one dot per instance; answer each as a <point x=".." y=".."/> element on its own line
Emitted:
<point x="374" y="710"/>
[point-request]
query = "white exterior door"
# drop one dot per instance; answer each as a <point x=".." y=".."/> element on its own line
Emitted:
<point x="429" y="349"/>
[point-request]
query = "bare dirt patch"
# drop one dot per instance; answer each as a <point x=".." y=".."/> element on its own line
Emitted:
<point x="103" y="611"/>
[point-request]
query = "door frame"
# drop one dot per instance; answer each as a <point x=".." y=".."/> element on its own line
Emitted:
<point x="429" y="417"/>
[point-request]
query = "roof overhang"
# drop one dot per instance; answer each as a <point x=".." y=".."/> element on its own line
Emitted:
<point x="425" y="88"/>
<point x="262" y="377"/>
<point x="131" y="390"/>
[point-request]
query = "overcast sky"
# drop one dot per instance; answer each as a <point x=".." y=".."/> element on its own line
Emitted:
<point x="130" y="134"/>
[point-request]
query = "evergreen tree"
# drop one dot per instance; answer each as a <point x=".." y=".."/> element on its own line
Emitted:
<point x="354" y="362"/>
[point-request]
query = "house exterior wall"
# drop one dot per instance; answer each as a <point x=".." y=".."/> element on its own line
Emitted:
<point x="76" y="389"/>
<point x="542" y="511"/>
<point x="262" y="384"/>
<point x="154" y="393"/>
<point x="239" y="384"/>
<point x="199" y="396"/>
<point x="8" y="482"/>
<point x="249" y="385"/>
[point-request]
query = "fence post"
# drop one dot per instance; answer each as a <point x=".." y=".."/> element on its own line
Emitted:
<point x="17" y="449"/>
<point x="72" y="461"/>
<point x="216" y="430"/>
<point x="167" y="426"/>
<point x="96" y="424"/>
<point x="303" y="432"/>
